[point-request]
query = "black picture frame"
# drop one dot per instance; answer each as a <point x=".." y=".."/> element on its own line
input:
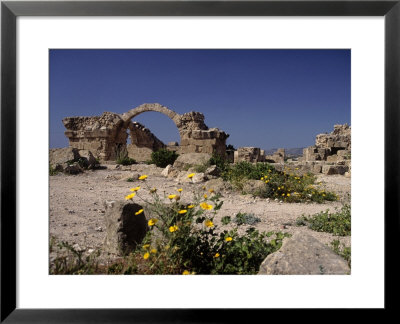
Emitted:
<point x="10" y="10"/>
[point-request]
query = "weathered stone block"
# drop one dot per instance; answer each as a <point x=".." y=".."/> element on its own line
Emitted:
<point x="302" y="254"/>
<point x="124" y="229"/>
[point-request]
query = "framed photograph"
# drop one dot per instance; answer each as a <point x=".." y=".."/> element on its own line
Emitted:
<point x="234" y="81"/>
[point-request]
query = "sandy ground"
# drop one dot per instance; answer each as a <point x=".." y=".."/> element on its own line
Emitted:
<point x="77" y="203"/>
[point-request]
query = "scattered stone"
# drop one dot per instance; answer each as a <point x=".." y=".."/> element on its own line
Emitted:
<point x="185" y="161"/>
<point x="73" y="168"/>
<point x="213" y="171"/>
<point x="168" y="169"/>
<point x="302" y="254"/>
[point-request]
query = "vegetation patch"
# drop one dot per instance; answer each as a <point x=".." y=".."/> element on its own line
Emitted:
<point x="245" y="218"/>
<point x="337" y="223"/>
<point x="123" y="158"/>
<point x="283" y="185"/>
<point x="184" y="239"/>
<point x="163" y="157"/>
<point x="342" y="250"/>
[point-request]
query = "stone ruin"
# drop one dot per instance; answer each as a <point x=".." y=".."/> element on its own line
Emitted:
<point x="106" y="135"/>
<point x="255" y="154"/>
<point x="331" y="154"/>
<point x="333" y="147"/>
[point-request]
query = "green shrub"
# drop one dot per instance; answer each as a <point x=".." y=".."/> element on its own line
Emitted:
<point x="126" y="161"/>
<point x="285" y="186"/>
<point x="219" y="161"/>
<point x="183" y="239"/>
<point x="249" y="219"/>
<point x="52" y="171"/>
<point x="163" y="157"/>
<point x="342" y="250"/>
<point x="338" y="223"/>
<point x="200" y="168"/>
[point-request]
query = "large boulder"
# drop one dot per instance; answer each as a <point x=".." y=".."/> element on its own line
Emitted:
<point x="124" y="229"/>
<point x="187" y="160"/>
<point x="302" y="254"/>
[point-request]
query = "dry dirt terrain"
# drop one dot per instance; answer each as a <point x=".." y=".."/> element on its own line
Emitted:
<point x="77" y="203"/>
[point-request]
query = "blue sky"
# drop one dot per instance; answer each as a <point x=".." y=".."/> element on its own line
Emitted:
<point x="262" y="98"/>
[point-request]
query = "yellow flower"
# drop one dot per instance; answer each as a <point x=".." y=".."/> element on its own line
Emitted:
<point x="139" y="212"/>
<point x="180" y="189"/>
<point x="173" y="228"/>
<point x="209" y="223"/>
<point x="205" y="196"/>
<point x="191" y="175"/>
<point x="190" y="206"/>
<point x="145" y="246"/>
<point x="152" y="221"/>
<point x="283" y="194"/>
<point x="153" y="190"/>
<point x="267" y="181"/>
<point x="146" y="255"/>
<point x="206" y="206"/>
<point x="210" y="190"/>
<point x="185" y="272"/>
<point x="171" y="196"/>
<point x="183" y="211"/>
<point x="135" y="189"/>
<point x="167" y="247"/>
<point x="216" y="255"/>
<point x="228" y="239"/>
<point x="130" y="196"/>
<point x="143" y="177"/>
<point x="262" y="178"/>
<point x="153" y="251"/>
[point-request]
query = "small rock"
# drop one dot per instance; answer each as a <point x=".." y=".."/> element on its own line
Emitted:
<point x="71" y="211"/>
<point x="99" y="229"/>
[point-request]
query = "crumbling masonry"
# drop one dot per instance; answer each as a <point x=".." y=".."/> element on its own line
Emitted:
<point x="106" y="135"/>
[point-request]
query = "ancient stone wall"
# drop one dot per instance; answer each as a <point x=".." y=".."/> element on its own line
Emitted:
<point x="330" y="147"/>
<point x="248" y="154"/>
<point x="106" y="134"/>
<point x="143" y="142"/>
<point x="99" y="134"/>
<point x="277" y="157"/>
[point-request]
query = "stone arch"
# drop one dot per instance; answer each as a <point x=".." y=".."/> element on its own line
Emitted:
<point x="103" y="134"/>
<point x="126" y="117"/>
